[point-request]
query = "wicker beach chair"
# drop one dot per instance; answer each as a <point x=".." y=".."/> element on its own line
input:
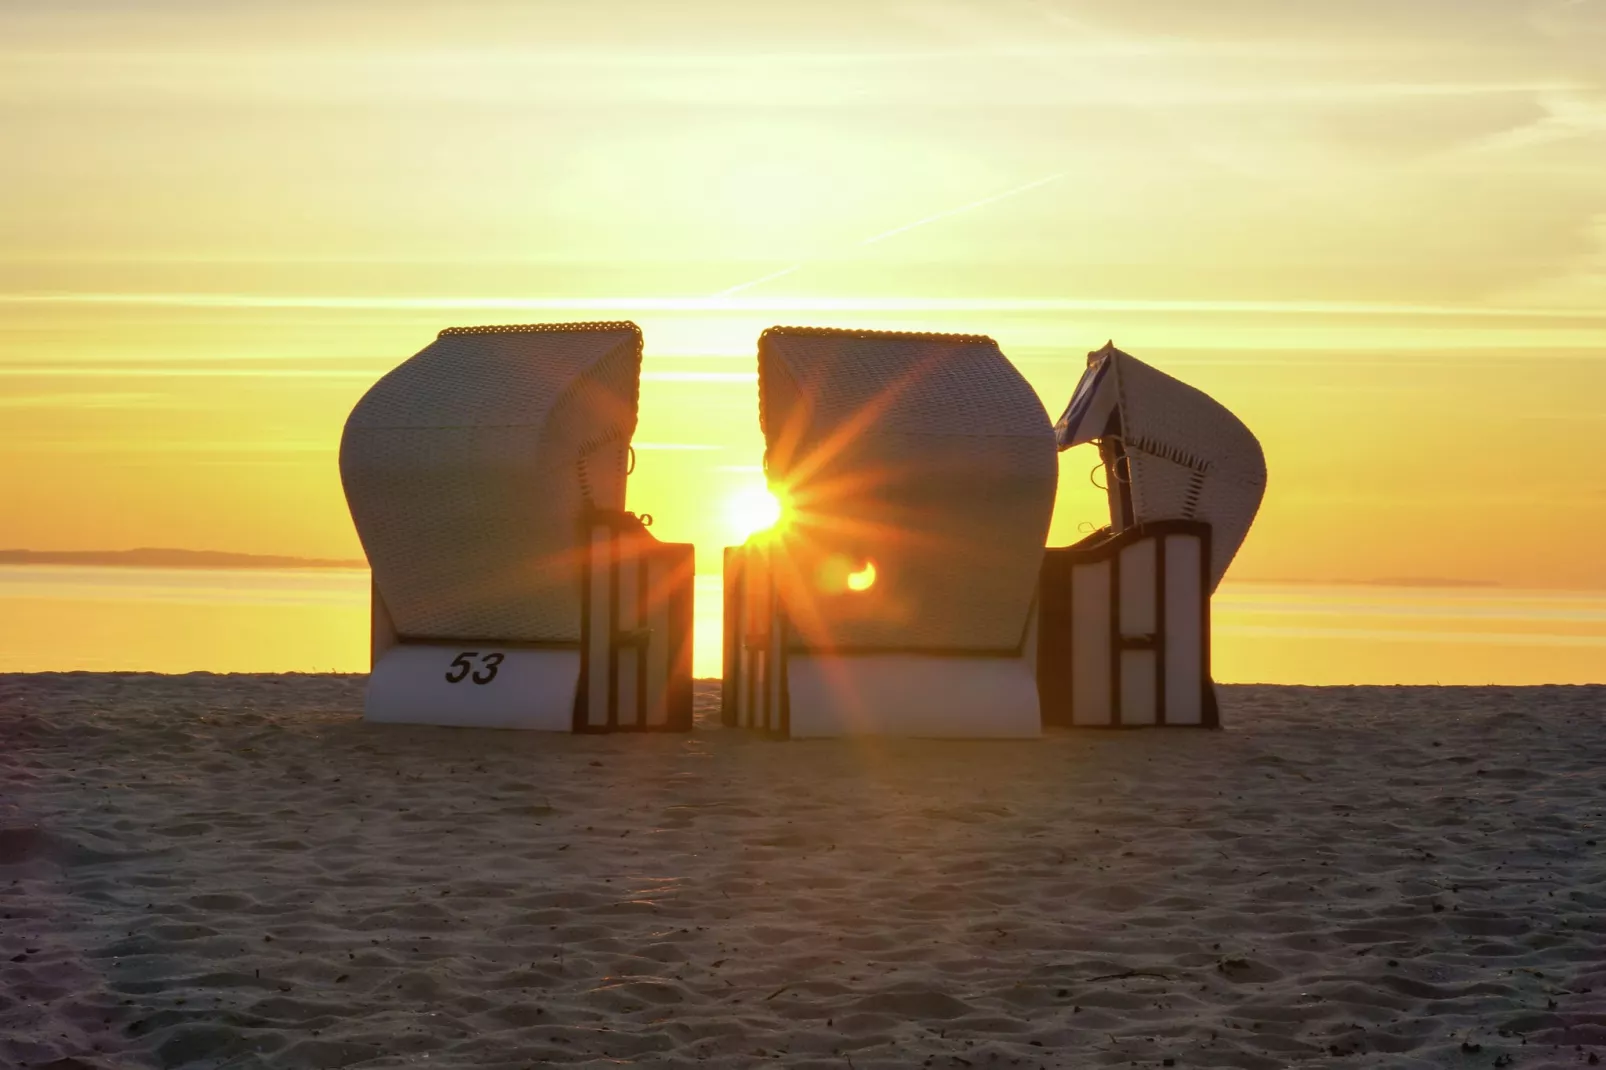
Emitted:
<point x="1125" y="631"/>
<point x="486" y="478"/>
<point x="897" y="596"/>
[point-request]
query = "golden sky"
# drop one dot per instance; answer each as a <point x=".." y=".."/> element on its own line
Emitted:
<point x="1377" y="231"/>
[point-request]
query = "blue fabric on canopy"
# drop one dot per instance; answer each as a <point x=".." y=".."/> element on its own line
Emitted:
<point x="1067" y="430"/>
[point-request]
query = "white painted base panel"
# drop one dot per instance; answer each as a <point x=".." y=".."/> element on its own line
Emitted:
<point x="474" y="686"/>
<point x="908" y="695"/>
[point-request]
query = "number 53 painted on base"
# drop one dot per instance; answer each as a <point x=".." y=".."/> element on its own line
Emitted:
<point x="463" y="665"/>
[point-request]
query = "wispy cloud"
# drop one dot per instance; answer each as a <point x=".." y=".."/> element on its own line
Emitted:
<point x="1568" y="114"/>
<point x="700" y="377"/>
<point x="130" y="446"/>
<point x="1580" y="279"/>
<point x="927" y="77"/>
<point x="89" y="400"/>
<point x="904" y="228"/>
<point x="52" y="371"/>
<point x="694" y="446"/>
<point x="717" y="303"/>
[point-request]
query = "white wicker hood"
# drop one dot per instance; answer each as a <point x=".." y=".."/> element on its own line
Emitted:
<point x="466" y="469"/>
<point x="926" y="455"/>
<point x="1173" y="452"/>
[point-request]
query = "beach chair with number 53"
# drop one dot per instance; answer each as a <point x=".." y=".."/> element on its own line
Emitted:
<point x="511" y="589"/>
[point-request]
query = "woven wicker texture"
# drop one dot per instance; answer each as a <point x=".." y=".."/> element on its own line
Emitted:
<point x="926" y="455"/>
<point x="466" y="468"/>
<point x="1190" y="458"/>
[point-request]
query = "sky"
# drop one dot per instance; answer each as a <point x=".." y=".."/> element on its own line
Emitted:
<point x="1376" y="231"/>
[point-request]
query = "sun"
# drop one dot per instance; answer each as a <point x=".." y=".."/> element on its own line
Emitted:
<point x="751" y="510"/>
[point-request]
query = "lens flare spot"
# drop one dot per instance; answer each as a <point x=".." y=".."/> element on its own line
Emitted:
<point x="864" y="579"/>
<point x="751" y="510"/>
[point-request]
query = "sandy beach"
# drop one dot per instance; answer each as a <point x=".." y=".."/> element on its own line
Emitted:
<point x="233" y="871"/>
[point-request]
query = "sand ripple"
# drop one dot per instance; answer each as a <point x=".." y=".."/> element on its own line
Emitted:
<point x="232" y="872"/>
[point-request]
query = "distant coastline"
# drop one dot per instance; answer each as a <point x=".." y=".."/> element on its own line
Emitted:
<point x="1388" y="581"/>
<point x="151" y="557"/>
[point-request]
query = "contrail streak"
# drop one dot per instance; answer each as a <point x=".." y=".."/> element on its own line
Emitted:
<point x="904" y="229"/>
<point x="772" y="276"/>
<point x="972" y="206"/>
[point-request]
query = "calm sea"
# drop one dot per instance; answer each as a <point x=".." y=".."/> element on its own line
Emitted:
<point x="179" y="620"/>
